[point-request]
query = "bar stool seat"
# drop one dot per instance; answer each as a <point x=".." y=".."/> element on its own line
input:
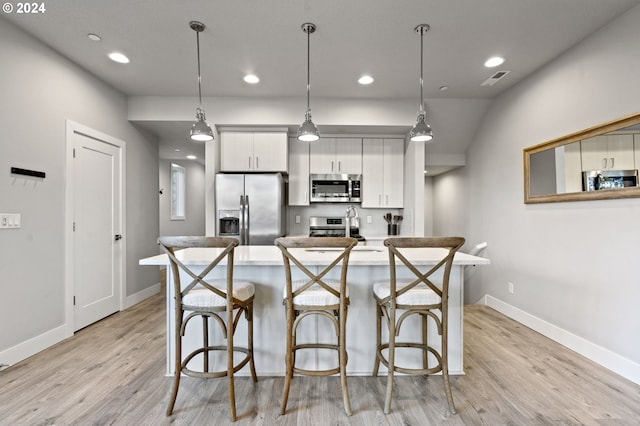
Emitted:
<point x="315" y="295"/>
<point x="418" y="295"/>
<point x="203" y="297"/>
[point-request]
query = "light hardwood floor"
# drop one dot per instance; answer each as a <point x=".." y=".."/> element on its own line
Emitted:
<point x="112" y="373"/>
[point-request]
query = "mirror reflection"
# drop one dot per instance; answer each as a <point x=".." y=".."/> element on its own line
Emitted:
<point x="597" y="163"/>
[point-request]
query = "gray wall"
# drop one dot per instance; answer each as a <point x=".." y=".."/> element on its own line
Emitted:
<point x="40" y="90"/>
<point x="573" y="265"/>
<point x="195" y="206"/>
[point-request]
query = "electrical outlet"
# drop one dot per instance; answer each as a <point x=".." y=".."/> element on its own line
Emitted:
<point x="510" y="288"/>
<point x="10" y="220"/>
<point x="297" y="218"/>
<point x="369" y="219"/>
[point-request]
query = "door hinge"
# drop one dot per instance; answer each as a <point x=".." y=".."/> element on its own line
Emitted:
<point x="74" y="227"/>
<point x="74" y="153"/>
<point x="74" y="301"/>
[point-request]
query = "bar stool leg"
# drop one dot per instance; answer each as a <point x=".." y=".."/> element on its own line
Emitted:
<point x="425" y="341"/>
<point x="391" y="358"/>
<point x="445" y="363"/>
<point x="232" y="388"/>
<point x="289" y="357"/>
<point x="252" y="366"/>
<point x="205" y="342"/>
<point x="343" y="359"/>
<point x="376" y="362"/>
<point x="177" y="364"/>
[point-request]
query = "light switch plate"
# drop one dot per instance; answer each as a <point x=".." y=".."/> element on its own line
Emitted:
<point x="9" y="220"/>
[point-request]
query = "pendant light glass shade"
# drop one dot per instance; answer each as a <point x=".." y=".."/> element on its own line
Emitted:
<point x="308" y="132"/>
<point x="421" y="132"/>
<point x="200" y="131"/>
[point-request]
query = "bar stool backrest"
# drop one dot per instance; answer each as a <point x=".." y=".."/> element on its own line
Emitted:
<point x="449" y="246"/>
<point x="286" y="244"/>
<point x="171" y="244"/>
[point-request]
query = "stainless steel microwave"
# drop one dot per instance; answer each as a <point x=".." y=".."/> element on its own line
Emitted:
<point x="332" y="188"/>
<point x="597" y="180"/>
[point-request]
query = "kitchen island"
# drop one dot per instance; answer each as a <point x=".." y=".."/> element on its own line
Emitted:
<point x="263" y="266"/>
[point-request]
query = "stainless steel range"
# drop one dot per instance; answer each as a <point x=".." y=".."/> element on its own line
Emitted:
<point x="332" y="227"/>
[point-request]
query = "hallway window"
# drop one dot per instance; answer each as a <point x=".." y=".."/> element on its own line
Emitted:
<point x="177" y="192"/>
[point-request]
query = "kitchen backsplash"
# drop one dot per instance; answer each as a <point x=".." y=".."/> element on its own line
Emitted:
<point x="378" y="225"/>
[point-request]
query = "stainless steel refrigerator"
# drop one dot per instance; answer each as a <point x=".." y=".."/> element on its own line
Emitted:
<point x="250" y="207"/>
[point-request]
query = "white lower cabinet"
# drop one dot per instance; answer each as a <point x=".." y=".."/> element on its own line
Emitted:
<point x="298" y="173"/>
<point x="382" y="173"/>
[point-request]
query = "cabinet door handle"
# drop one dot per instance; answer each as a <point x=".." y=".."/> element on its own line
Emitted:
<point x="612" y="161"/>
<point x="604" y="163"/>
<point x="339" y="166"/>
<point x="249" y="157"/>
<point x="332" y="165"/>
<point x="257" y="163"/>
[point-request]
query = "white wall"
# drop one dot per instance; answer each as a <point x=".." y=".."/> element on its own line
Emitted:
<point x="575" y="265"/>
<point x="194" y="222"/>
<point x="40" y="90"/>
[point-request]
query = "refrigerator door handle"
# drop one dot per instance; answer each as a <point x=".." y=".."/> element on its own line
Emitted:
<point x="246" y="220"/>
<point x="242" y="219"/>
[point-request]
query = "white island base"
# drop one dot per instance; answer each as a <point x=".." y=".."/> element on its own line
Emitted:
<point x="262" y="265"/>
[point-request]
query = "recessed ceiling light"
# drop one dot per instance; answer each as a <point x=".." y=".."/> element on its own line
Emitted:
<point x="191" y="157"/>
<point x="251" y="79"/>
<point x="365" y="79"/>
<point x="94" y="37"/>
<point x="494" y="62"/>
<point x="444" y="88"/>
<point x="118" y="57"/>
<point x="176" y="149"/>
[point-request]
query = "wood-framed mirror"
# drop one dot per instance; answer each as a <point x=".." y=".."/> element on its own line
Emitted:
<point x="599" y="163"/>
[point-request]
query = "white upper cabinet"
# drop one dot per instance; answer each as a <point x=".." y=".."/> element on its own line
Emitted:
<point x="336" y="155"/>
<point x="254" y="152"/>
<point x="298" y="172"/>
<point x="383" y="173"/>
<point x="608" y="152"/>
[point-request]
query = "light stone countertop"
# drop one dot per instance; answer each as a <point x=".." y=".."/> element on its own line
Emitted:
<point x="271" y="255"/>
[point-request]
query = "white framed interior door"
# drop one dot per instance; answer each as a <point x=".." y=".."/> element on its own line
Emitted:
<point x="94" y="242"/>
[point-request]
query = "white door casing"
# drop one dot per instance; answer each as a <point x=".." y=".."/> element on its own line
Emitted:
<point x="94" y="265"/>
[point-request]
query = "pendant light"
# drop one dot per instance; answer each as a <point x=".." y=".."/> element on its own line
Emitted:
<point x="308" y="132"/>
<point x="421" y="132"/>
<point x="200" y="131"/>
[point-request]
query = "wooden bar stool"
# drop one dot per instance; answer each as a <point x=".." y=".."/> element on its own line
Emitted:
<point x="426" y="295"/>
<point x="316" y="295"/>
<point x="222" y="300"/>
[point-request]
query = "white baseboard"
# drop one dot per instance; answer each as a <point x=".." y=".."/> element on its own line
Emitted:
<point x="618" y="364"/>
<point x="32" y="346"/>
<point x="138" y="297"/>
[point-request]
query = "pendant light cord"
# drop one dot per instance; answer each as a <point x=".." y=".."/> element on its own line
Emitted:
<point x="308" y="66"/>
<point x="421" y="65"/>
<point x="199" y="75"/>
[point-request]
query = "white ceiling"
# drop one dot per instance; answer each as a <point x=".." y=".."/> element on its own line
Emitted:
<point x="352" y="38"/>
